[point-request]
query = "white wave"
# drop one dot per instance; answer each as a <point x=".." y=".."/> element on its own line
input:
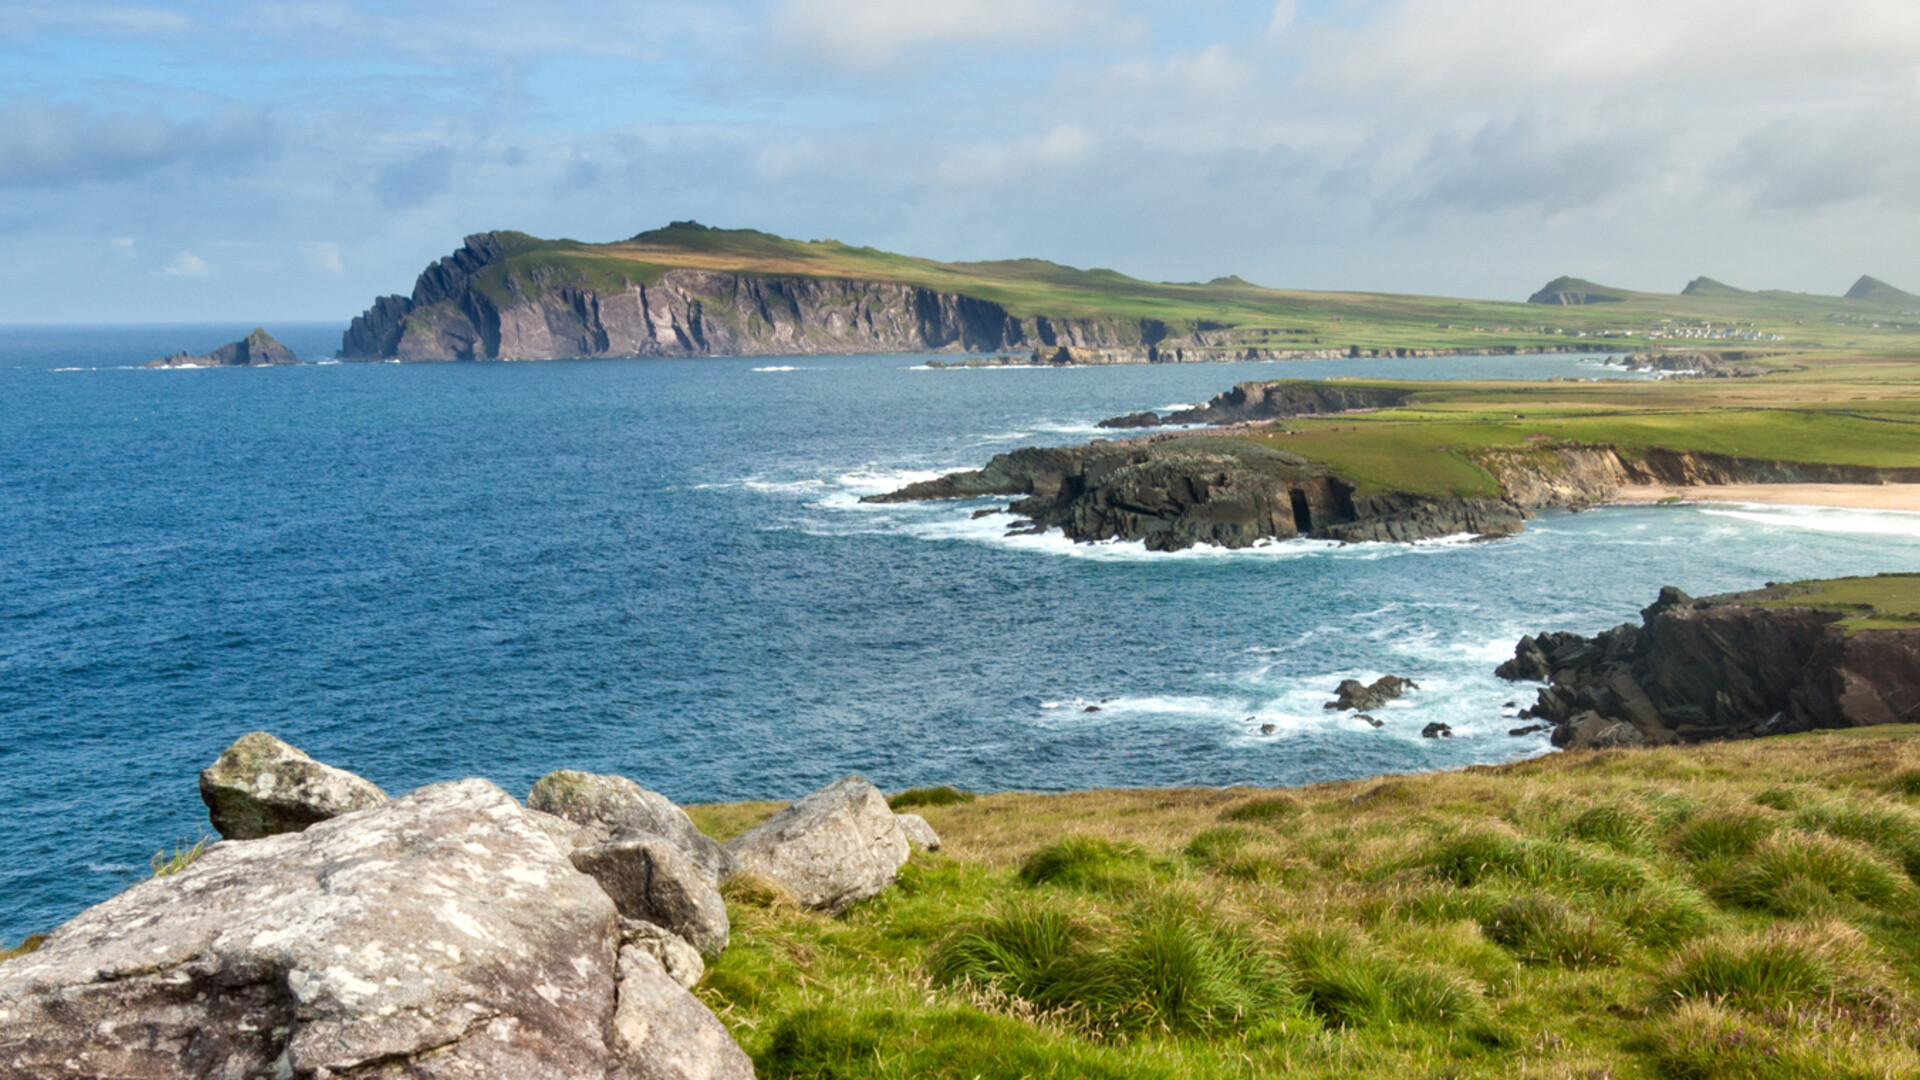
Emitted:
<point x="70" y="369"/>
<point x="112" y="868"/>
<point x="782" y="367"/>
<point x="1822" y="518"/>
<point x="784" y="487"/>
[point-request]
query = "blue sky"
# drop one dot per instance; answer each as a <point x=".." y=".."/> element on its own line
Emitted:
<point x="200" y="160"/>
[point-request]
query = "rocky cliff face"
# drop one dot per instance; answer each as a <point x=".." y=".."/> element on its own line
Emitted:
<point x="1573" y="476"/>
<point x="1722" y="667"/>
<point x="1174" y="493"/>
<point x="459" y="311"/>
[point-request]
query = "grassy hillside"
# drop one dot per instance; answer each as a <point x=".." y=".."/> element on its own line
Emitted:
<point x="1854" y="413"/>
<point x="1233" y="310"/>
<point x="1735" y="910"/>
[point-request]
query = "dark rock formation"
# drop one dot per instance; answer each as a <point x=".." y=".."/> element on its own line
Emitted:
<point x="832" y="849"/>
<point x="260" y="786"/>
<point x="1252" y="401"/>
<point x="651" y="880"/>
<point x="1353" y="694"/>
<point x="443" y="934"/>
<point x="1436" y="730"/>
<point x="1723" y="667"/>
<point x="616" y="808"/>
<point x="257" y="349"/>
<point x="475" y="304"/>
<point x="1174" y="493"/>
<point x="1133" y="420"/>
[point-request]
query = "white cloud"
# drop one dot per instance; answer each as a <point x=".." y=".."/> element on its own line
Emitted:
<point x="324" y="254"/>
<point x="186" y="264"/>
<point x="123" y="247"/>
<point x="871" y="34"/>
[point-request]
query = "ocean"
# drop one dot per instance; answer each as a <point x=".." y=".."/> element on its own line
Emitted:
<point x="661" y="568"/>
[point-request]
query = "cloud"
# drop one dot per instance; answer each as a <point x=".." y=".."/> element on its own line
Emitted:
<point x="123" y="247"/>
<point x="48" y="144"/>
<point x="107" y="20"/>
<point x="874" y="34"/>
<point x="186" y="264"/>
<point x="415" y="180"/>
<point x="324" y="254"/>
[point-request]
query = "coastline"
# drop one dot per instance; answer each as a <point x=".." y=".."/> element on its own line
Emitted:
<point x="1903" y="497"/>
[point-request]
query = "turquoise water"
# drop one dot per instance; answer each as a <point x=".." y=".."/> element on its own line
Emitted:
<point x="660" y="568"/>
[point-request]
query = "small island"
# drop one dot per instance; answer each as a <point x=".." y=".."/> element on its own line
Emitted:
<point x="258" y="349"/>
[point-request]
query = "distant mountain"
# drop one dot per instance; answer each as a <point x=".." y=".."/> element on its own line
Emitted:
<point x="1573" y="290"/>
<point x="1707" y="287"/>
<point x="1875" y="291"/>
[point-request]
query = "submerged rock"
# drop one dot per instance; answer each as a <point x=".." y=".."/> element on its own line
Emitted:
<point x="614" y="808"/>
<point x="832" y="849"/>
<point x="1353" y="694"/>
<point x="260" y="786"/>
<point x="443" y="934"/>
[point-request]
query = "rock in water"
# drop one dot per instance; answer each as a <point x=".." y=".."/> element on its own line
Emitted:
<point x="616" y="808"/>
<point x="258" y="349"/>
<point x="260" y="786"/>
<point x="443" y="934"/>
<point x="1353" y="694"/>
<point x="919" y="833"/>
<point x="1436" y="730"/>
<point x="650" y="879"/>
<point x="832" y="849"/>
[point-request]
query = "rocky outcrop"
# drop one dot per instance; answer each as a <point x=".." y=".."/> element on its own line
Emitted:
<point x="1354" y="694"/>
<point x="443" y="934"/>
<point x="680" y="959"/>
<point x="1732" y="666"/>
<point x="616" y="808"/>
<point x="478" y="304"/>
<point x="832" y="849"/>
<point x="258" y="349"/>
<point x="260" y="786"/>
<point x="1174" y="493"/>
<point x="1256" y="401"/>
<point x="650" y="880"/>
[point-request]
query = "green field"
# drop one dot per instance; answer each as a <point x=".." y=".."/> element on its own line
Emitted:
<point x="1881" y="602"/>
<point x="1235" y="311"/>
<point x="1733" y="910"/>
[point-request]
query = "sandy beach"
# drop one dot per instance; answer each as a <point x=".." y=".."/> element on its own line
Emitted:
<point x="1845" y="496"/>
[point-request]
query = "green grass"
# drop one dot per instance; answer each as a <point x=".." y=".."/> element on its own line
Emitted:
<point x="943" y="795"/>
<point x="31" y="943"/>
<point x="1731" y="910"/>
<point x="184" y="854"/>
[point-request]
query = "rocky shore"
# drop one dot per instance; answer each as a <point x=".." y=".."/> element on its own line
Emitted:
<point x="1767" y="662"/>
<point x="1172" y="493"/>
<point x="1207" y="353"/>
<point x="452" y="932"/>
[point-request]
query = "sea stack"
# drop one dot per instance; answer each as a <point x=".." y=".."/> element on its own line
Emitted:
<point x="258" y="349"/>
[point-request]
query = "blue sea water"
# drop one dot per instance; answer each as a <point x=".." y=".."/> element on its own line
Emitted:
<point x="661" y="568"/>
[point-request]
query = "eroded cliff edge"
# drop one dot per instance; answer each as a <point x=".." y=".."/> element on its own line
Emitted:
<point x="475" y="305"/>
<point x="1771" y="661"/>
<point x="1236" y="485"/>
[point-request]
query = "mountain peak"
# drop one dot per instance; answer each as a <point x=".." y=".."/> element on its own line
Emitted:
<point x="1874" y="291"/>
<point x="1573" y="290"/>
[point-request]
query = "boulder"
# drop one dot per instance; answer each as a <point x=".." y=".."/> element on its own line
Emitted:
<point x="681" y="960"/>
<point x="443" y="934"/>
<point x="1353" y="694"/>
<point x="919" y="833"/>
<point x="1436" y="730"/>
<point x="614" y="807"/>
<point x="650" y="879"/>
<point x="260" y="786"/>
<point x="832" y="849"/>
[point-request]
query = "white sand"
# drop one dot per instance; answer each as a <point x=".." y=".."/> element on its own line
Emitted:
<point x="1847" y="496"/>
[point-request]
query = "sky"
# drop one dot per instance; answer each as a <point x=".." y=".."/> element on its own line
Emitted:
<point x="199" y="160"/>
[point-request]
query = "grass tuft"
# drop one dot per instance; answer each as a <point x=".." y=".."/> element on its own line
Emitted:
<point x="1087" y="862"/>
<point x="944" y="795"/>
<point x="1265" y="809"/>
<point x="184" y="854"/>
<point x="1620" y="828"/>
<point x="757" y="891"/>
<point x="31" y="943"/>
<point x="1787" y="966"/>
<point x="1543" y="930"/>
<point x="1793" y="873"/>
<point x="1352" y="985"/>
<point x="1723" y="835"/>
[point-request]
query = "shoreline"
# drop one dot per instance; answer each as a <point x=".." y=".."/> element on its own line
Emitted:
<point x="1900" y="497"/>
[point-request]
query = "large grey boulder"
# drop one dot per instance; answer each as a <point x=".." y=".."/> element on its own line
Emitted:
<point x="260" y="786"/>
<point x="614" y="808"/>
<point x="441" y="935"/>
<point x="832" y="849"/>
<point x="650" y="880"/>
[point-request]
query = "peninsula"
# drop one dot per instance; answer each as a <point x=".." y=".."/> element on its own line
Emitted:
<point x="690" y="290"/>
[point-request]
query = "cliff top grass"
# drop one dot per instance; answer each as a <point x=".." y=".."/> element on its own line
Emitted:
<point x="1735" y="910"/>
<point x="1238" y="311"/>
<point x="1881" y="602"/>
<point x="1851" y="413"/>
